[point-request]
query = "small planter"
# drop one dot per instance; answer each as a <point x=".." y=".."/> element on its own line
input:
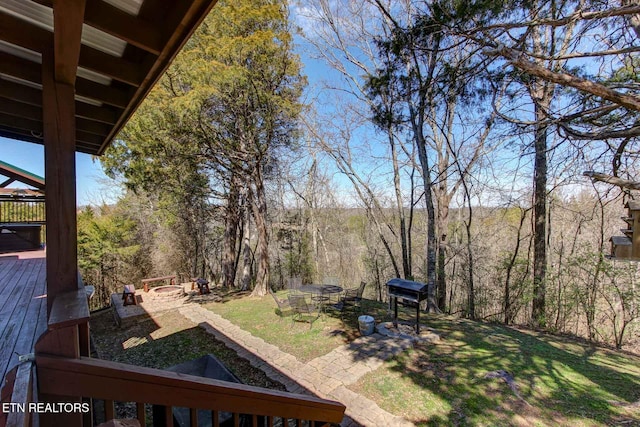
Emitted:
<point x="366" y="324"/>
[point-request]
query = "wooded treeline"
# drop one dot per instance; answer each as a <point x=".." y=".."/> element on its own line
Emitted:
<point x="444" y="142"/>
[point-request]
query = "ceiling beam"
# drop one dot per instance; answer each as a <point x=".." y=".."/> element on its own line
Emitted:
<point x="30" y="71"/>
<point x="31" y="37"/>
<point x="153" y="37"/>
<point x="68" y="16"/>
<point x="33" y="97"/>
<point x="33" y="114"/>
<point x="35" y="129"/>
<point x="89" y="147"/>
<point x="106" y="94"/>
<point x="102" y="114"/>
<point x="111" y="66"/>
<point x="89" y="138"/>
<point x="19" y="109"/>
<point x="181" y="19"/>
<point x="23" y="34"/>
<point x="22" y="123"/>
<point x="7" y="182"/>
<point x="12" y="133"/>
<point x="20" y="68"/>
<point x="132" y="29"/>
<point x="20" y="93"/>
<point x="90" y="126"/>
<point x="81" y="147"/>
<point x="138" y="32"/>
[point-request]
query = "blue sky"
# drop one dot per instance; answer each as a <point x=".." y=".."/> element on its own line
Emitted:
<point x="370" y="155"/>
<point x="91" y="183"/>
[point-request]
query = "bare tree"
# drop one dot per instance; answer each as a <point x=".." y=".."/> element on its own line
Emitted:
<point x="342" y="35"/>
<point x="337" y="146"/>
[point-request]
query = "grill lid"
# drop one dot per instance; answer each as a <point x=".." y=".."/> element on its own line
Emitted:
<point x="407" y="285"/>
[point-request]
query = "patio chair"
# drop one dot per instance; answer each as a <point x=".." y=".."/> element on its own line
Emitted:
<point x="284" y="308"/>
<point x="302" y="311"/>
<point x="353" y="297"/>
<point x="350" y="299"/>
<point x="337" y="307"/>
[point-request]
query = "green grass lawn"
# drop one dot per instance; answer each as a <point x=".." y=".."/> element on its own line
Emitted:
<point x="258" y="316"/>
<point x="560" y="382"/>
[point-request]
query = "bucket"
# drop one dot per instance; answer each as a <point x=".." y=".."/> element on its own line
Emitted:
<point x="366" y="324"/>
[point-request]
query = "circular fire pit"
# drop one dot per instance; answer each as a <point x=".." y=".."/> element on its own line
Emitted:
<point x="167" y="293"/>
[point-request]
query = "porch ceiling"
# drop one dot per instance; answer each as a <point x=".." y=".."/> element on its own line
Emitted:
<point x="125" y="47"/>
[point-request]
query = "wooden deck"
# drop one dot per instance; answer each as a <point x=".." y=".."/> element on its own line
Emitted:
<point x="66" y="374"/>
<point x="23" y="308"/>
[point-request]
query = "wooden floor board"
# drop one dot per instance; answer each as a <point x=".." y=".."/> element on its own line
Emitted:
<point x="6" y="277"/>
<point x="41" y="324"/>
<point x="6" y="265"/>
<point x="11" y="289"/>
<point x="22" y="307"/>
<point x="14" y="315"/>
<point x="28" y="332"/>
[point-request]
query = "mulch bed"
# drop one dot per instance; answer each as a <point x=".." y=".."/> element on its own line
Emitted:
<point x="163" y="340"/>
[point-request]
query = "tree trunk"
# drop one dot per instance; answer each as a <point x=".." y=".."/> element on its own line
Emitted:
<point x="508" y="312"/>
<point x="246" y="251"/>
<point x="441" y="276"/>
<point x="540" y="219"/>
<point x="442" y="226"/>
<point x="471" y="291"/>
<point x="229" y="241"/>
<point x="259" y="209"/>
<point x="404" y="243"/>
<point x="432" y="303"/>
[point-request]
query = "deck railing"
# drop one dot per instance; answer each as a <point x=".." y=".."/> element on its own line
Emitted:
<point x="110" y="381"/>
<point x="22" y="211"/>
<point x="65" y="374"/>
<point x="24" y="392"/>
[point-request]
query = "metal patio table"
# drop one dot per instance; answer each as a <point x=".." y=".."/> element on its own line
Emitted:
<point x="321" y="293"/>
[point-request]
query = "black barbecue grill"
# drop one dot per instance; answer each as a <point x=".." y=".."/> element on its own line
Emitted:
<point x="406" y="291"/>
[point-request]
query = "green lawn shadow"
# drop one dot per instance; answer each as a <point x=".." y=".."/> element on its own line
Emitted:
<point x="557" y="380"/>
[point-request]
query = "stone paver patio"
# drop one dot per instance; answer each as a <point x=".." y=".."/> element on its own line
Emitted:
<point x="327" y="376"/>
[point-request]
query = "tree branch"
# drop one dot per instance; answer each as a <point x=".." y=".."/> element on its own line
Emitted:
<point x="518" y="60"/>
<point x="623" y="183"/>
<point x="578" y="15"/>
<point x="631" y="132"/>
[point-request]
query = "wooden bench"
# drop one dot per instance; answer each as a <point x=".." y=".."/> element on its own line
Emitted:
<point x="129" y="295"/>
<point x="146" y="282"/>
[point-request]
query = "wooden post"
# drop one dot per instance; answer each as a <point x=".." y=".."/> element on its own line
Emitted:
<point x="59" y="128"/>
<point x="58" y="111"/>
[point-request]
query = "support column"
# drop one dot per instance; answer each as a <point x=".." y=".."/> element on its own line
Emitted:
<point x="58" y="111"/>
